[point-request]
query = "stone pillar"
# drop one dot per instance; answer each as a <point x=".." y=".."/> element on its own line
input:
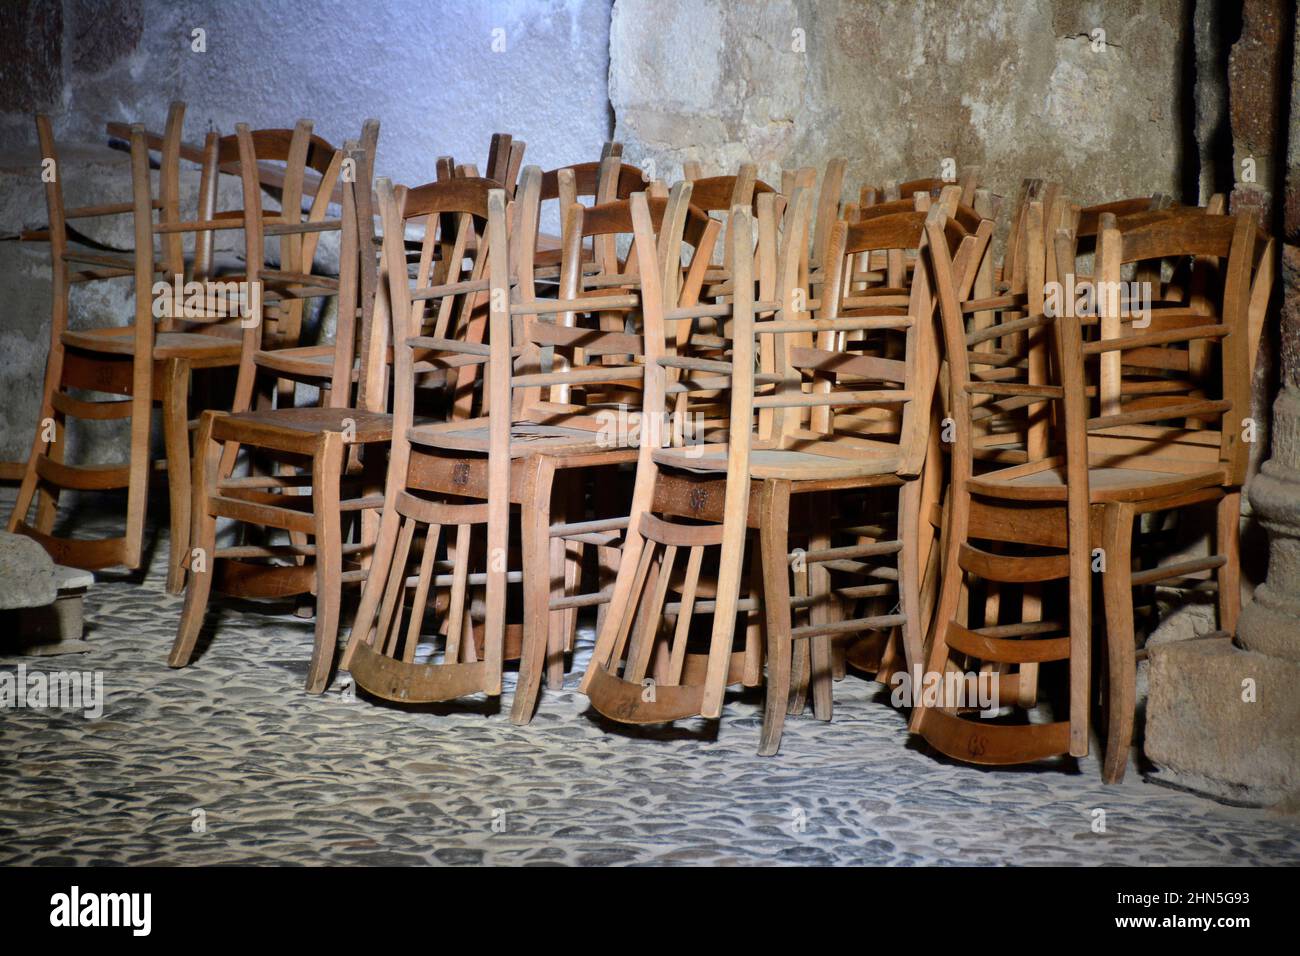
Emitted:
<point x="1223" y="717"/>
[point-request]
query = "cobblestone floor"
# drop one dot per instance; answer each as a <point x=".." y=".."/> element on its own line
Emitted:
<point x="276" y="776"/>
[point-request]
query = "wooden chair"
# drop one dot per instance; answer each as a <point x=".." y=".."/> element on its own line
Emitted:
<point x="104" y="359"/>
<point x="822" y="438"/>
<point x="1152" y="452"/>
<point x="1139" y="455"/>
<point x="326" y="437"/>
<point x="551" y="428"/>
<point x="1008" y="527"/>
<point x="608" y="180"/>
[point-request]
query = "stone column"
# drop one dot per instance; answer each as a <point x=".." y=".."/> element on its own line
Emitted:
<point x="1223" y="718"/>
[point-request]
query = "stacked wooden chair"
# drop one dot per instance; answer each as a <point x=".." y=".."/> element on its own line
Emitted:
<point x="149" y="360"/>
<point x="558" y="370"/>
<point x="815" y="422"/>
<point x="1130" y="409"/>
<point x="312" y="446"/>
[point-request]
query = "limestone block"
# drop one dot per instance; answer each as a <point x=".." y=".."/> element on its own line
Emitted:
<point x="1019" y="89"/>
<point x="1202" y="734"/>
<point x="27" y="575"/>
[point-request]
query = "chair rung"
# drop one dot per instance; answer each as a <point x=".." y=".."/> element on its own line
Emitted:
<point x="1003" y="406"/>
<point x="363" y="503"/>
<point x="596" y="303"/>
<point x="1177" y="569"/>
<point x="696" y="364"/>
<point x="82" y="477"/>
<point x="580" y="376"/>
<point x="1012" y="388"/>
<point x="1205" y="409"/>
<point x="860" y="567"/>
<point x="65" y="404"/>
<point x="1154" y="338"/>
<point x="833" y="325"/>
<point x="866" y="591"/>
<point x="588" y="527"/>
<point x="804" y="400"/>
<point x="89" y="553"/>
<point x="448" y="345"/>
<point x="582" y="600"/>
<point x="245" y="551"/>
<point x="1011" y="568"/>
<point x="822" y="555"/>
<point x="680" y="535"/>
<point x="1006" y="651"/>
<point x="472" y="578"/>
<point x="1013" y="327"/>
<point x="881" y="622"/>
<point x="253" y="512"/>
<point x="451" y="288"/>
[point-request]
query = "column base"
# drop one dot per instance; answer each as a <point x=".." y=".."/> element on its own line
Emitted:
<point x="1211" y="731"/>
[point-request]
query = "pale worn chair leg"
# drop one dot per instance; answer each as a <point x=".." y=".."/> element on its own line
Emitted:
<point x="774" y="546"/>
<point x="1121" y="649"/>
<point x="800" y="656"/>
<point x="535" y="522"/>
<point x="376" y="579"/>
<point x="176" y="437"/>
<point x="819" y="588"/>
<point x="207" y="457"/>
<point x="327" y="465"/>
<point x="47" y="502"/>
<point x="1227" y="543"/>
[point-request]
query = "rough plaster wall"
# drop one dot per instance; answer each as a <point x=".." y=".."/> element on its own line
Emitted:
<point x="1013" y="87"/>
<point x="426" y="70"/>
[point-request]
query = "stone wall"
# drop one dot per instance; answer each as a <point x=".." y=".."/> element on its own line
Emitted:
<point x="1017" y="88"/>
<point x="439" y="77"/>
<point x="1096" y="95"/>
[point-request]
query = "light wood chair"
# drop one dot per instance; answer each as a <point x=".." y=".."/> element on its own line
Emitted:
<point x="1153" y="452"/>
<point x="319" y="442"/>
<point x="556" y="422"/>
<point x="1005" y="527"/>
<point x="823" y="438"/>
<point x="104" y="359"/>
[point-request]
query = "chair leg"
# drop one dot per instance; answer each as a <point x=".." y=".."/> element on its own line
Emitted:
<point x="1121" y="650"/>
<point x="800" y="656"/>
<point x="372" y="593"/>
<point x="207" y="458"/>
<point x="326" y="471"/>
<point x="1227" y="543"/>
<point x="535" y="522"/>
<point x="176" y="436"/>
<point x="47" y="500"/>
<point x="909" y="576"/>
<point x="820" y="674"/>
<point x="774" y="546"/>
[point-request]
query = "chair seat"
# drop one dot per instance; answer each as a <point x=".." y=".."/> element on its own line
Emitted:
<point x="201" y="348"/>
<point x="526" y="438"/>
<point x="310" y="361"/>
<point x="258" y="425"/>
<point x="1106" y="484"/>
<point x="783" y="463"/>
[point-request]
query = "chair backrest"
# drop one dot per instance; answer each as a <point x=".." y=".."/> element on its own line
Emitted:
<point x="505" y="160"/>
<point x="1140" y="345"/>
<point x="586" y="351"/>
<point x="286" y="282"/>
<point x="167" y="202"/>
